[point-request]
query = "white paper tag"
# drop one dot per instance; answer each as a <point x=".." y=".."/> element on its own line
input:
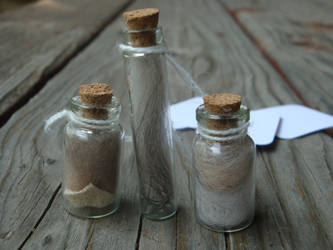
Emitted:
<point x="286" y="121"/>
<point x="183" y="113"/>
<point x="263" y="126"/>
<point x="298" y="120"/>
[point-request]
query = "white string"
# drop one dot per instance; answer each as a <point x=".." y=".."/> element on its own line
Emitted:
<point x="186" y="76"/>
<point x="57" y="116"/>
<point x="145" y="50"/>
<point x="226" y="132"/>
<point x="204" y="133"/>
<point x="69" y="115"/>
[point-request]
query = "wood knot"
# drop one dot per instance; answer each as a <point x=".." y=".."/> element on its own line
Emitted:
<point x="47" y="240"/>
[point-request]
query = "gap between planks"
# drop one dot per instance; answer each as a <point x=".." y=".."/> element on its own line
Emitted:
<point x="48" y="76"/>
<point x="234" y="15"/>
<point x="41" y="83"/>
<point x="137" y="242"/>
<point x="176" y="218"/>
<point x="275" y="65"/>
<point x="226" y="240"/>
<point x="41" y="217"/>
<point x="91" y="231"/>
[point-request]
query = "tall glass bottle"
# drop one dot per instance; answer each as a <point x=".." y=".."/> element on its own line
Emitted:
<point x="151" y="127"/>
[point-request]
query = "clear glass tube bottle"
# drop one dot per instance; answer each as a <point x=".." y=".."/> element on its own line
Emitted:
<point x="151" y="127"/>
<point x="92" y="147"/>
<point x="224" y="173"/>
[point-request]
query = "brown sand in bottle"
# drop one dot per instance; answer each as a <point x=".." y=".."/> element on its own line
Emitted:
<point x="224" y="181"/>
<point x="92" y="160"/>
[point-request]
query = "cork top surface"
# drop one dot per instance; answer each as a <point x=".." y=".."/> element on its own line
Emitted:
<point x="141" y="19"/>
<point x="222" y="103"/>
<point x="97" y="94"/>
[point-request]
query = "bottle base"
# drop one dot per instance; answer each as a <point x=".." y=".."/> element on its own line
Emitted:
<point x="91" y="212"/>
<point x="156" y="212"/>
<point x="160" y="218"/>
<point x="226" y="229"/>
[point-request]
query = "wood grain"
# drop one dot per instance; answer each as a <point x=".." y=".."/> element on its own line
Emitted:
<point x="59" y="230"/>
<point x="296" y="38"/>
<point x="31" y="173"/>
<point x="39" y="39"/>
<point x="222" y="58"/>
<point x="10" y="5"/>
<point x="294" y="178"/>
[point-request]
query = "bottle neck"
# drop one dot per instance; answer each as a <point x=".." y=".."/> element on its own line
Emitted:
<point x="225" y="127"/>
<point x="131" y="48"/>
<point x="223" y="135"/>
<point x="98" y="117"/>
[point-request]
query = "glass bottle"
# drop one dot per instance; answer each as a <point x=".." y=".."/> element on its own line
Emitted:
<point x="143" y="52"/>
<point x="224" y="172"/>
<point x="92" y="146"/>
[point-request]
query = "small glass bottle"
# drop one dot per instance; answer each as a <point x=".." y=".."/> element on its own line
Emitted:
<point x="92" y="147"/>
<point x="143" y="51"/>
<point x="223" y="164"/>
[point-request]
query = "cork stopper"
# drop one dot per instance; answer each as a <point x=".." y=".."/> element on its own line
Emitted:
<point x="97" y="95"/>
<point x="141" y="20"/>
<point x="220" y="104"/>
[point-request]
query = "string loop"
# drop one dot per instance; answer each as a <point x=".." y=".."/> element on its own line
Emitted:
<point x="160" y="49"/>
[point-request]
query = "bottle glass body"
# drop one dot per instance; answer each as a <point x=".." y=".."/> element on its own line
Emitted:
<point x="92" y="146"/>
<point x="224" y="171"/>
<point x="151" y="127"/>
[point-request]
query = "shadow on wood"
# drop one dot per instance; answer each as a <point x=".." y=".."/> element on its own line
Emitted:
<point x="6" y="5"/>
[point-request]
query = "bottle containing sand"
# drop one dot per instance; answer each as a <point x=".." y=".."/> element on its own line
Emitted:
<point x="223" y="164"/>
<point x="93" y="141"/>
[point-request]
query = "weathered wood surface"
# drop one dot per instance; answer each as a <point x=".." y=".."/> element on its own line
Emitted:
<point x="38" y="39"/>
<point x="59" y="230"/>
<point x="220" y="51"/>
<point x="294" y="178"/>
<point x="10" y="5"/>
<point x="296" y="37"/>
<point x="28" y="179"/>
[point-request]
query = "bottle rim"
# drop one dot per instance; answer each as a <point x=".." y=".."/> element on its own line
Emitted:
<point x="112" y="110"/>
<point x="243" y="114"/>
<point x="126" y="34"/>
<point x="239" y="119"/>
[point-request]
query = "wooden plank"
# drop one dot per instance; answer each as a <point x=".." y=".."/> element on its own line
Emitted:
<point x="296" y="38"/>
<point x="39" y="39"/>
<point x="59" y="230"/>
<point x="31" y="163"/>
<point x="70" y="76"/>
<point x="222" y="58"/>
<point x="8" y="5"/>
